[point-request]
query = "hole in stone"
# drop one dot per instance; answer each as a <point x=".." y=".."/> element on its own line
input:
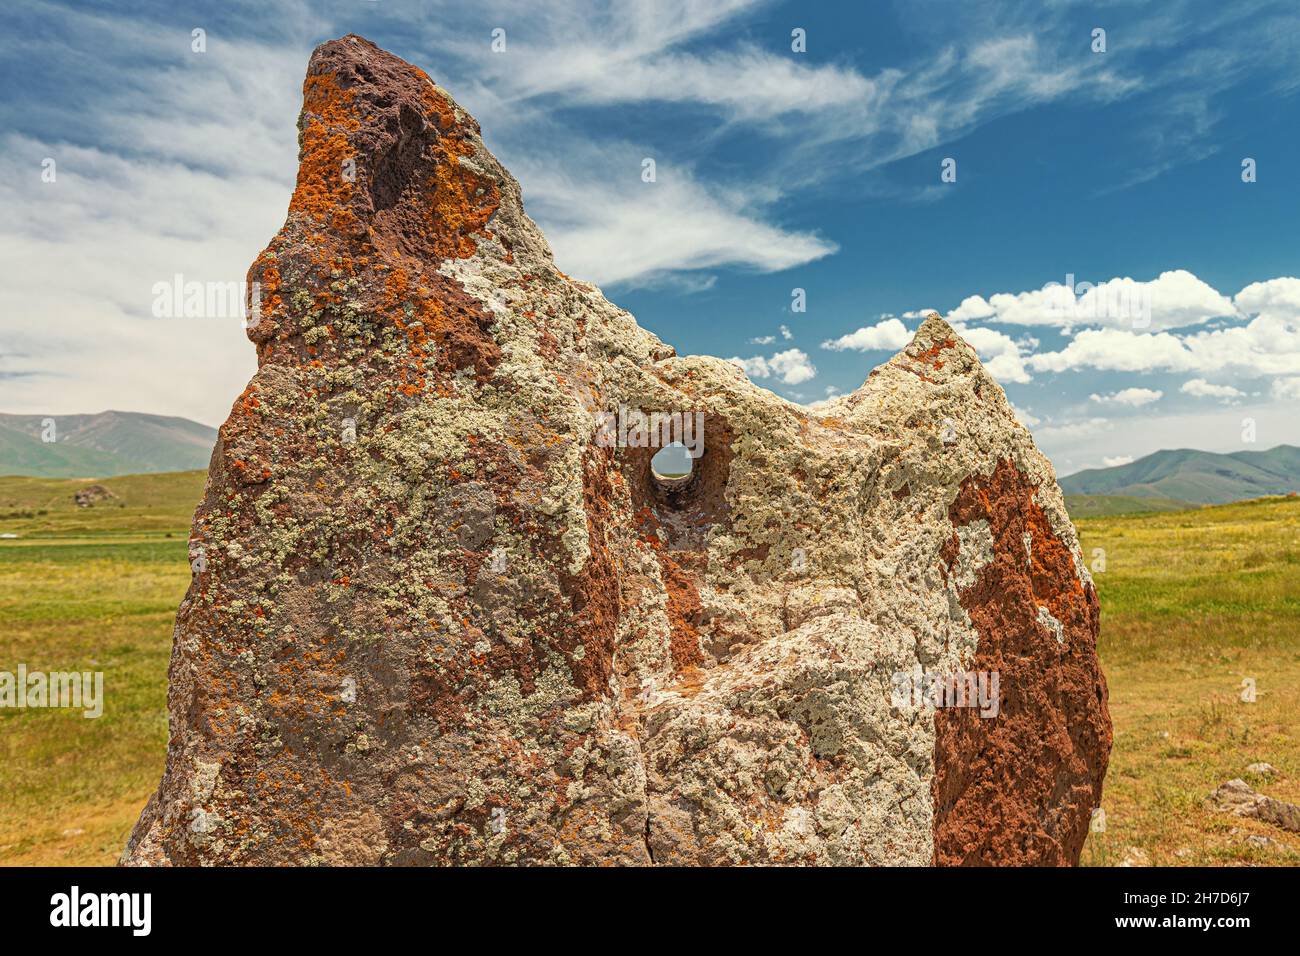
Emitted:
<point x="672" y="465"/>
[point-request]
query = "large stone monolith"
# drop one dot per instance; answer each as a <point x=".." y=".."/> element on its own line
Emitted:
<point x="445" y="612"/>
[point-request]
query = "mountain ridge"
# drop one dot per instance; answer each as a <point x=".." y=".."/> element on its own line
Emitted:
<point x="1197" y="477"/>
<point x="102" y="444"/>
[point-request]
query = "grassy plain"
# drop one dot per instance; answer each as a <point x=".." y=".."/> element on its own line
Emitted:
<point x="1193" y="603"/>
<point x="90" y="589"/>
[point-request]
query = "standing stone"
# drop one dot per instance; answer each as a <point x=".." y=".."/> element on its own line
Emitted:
<point x="446" y="612"/>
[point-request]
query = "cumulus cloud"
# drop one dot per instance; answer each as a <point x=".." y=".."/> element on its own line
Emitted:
<point x="1263" y="341"/>
<point x="889" y="334"/>
<point x="1132" y="397"/>
<point x="1113" y="461"/>
<point x="1200" y="388"/>
<point x="1000" y="353"/>
<point x="1007" y="368"/>
<point x="1173" y="300"/>
<point x="1268" y="344"/>
<point x="1116" y="351"/>
<point x="1274" y="296"/>
<point x="791" y="366"/>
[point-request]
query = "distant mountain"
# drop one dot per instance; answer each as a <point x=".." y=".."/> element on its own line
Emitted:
<point x="103" y="445"/>
<point x="1199" y="477"/>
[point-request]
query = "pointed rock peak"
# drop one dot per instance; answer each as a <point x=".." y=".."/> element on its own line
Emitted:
<point x="934" y="328"/>
<point x="936" y="352"/>
<point x="389" y="160"/>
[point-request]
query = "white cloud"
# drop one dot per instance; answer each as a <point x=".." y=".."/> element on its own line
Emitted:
<point x="791" y="366"/>
<point x="1274" y="296"/>
<point x="786" y="333"/>
<point x="1174" y="299"/>
<point x="1007" y="369"/>
<point x="1133" y="397"/>
<point x="989" y="343"/>
<point x="973" y="308"/>
<point x="999" y="352"/>
<point x="762" y="340"/>
<point x="1113" y="461"/>
<point x="1268" y="344"/>
<point x="607" y="226"/>
<point x="1200" y="388"/>
<point x="889" y="334"/>
<point x="1116" y="351"/>
<point x="1286" y="389"/>
<point x="746" y="84"/>
<point x="163" y="193"/>
<point x="631" y="51"/>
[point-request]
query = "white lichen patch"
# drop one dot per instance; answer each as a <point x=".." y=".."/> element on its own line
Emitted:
<point x="1051" y="624"/>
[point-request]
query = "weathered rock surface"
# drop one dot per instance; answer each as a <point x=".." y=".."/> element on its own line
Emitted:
<point x="435" y="620"/>
<point x="1238" y="798"/>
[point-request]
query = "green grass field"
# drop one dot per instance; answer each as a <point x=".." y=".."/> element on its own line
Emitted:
<point x="1192" y="602"/>
<point x="88" y="589"/>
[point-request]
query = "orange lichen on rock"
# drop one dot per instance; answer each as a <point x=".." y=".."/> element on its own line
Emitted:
<point x="323" y="188"/>
<point x="460" y="200"/>
<point x="931" y="355"/>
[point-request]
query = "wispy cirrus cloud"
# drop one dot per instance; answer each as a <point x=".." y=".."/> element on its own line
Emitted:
<point x="620" y="230"/>
<point x="183" y="166"/>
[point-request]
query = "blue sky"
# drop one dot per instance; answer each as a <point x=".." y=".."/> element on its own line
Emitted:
<point x="776" y="170"/>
